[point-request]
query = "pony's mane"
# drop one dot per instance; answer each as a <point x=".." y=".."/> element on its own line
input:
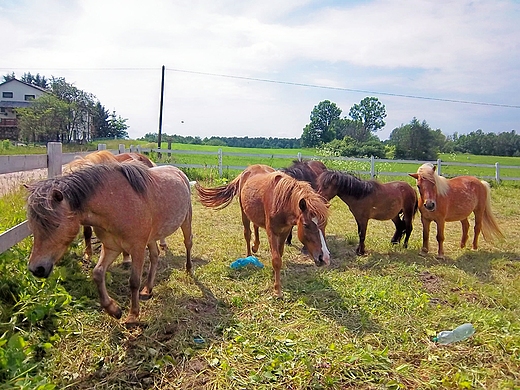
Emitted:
<point x="300" y="170"/>
<point x="77" y="187"/>
<point x="99" y="157"/>
<point x="427" y="172"/>
<point x="347" y="184"/>
<point x="288" y="192"/>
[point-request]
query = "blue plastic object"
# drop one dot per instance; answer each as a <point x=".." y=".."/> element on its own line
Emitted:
<point x="243" y="261"/>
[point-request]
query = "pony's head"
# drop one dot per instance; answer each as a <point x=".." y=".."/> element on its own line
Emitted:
<point x="429" y="184"/>
<point x="53" y="225"/>
<point x="311" y="232"/>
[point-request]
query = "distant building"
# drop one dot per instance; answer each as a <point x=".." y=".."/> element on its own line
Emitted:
<point x="15" y="94"/>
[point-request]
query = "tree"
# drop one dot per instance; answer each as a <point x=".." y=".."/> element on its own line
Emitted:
<point x="8" y="77"/>
<point x="38" y="81"/>
<point x="349" y="128"/>
<point x="371" y="113"/>
<point x="117" y="126"/>
<point x="100" y="122"/>
<point x="416" y="141"/>
<point x="320" y="129"/>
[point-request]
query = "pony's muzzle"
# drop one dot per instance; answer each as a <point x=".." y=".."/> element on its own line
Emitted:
<point x="41" y="271"/>
<point x="429" y="205"/>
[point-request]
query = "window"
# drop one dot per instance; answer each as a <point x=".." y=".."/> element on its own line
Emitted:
<point x="30" y="97"/>
<point x="2" y="109"/>
<point x="7" y="95"/>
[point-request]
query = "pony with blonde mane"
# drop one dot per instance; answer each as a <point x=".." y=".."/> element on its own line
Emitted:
<point x="101" y="157"/>
<point x="276" y="202"/>
<point x="447" y="200"/>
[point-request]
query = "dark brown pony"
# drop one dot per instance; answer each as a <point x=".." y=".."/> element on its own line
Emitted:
<point x="276" y="202"/>
<point x="130" y="208"/>
<point x="447" y="200"/>
<point x="99" y="157"/>
<point x="370" y="199"/>
<point x="304" y="170"/>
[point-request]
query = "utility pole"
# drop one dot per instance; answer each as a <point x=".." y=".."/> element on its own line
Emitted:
<point x="159" y="138"/>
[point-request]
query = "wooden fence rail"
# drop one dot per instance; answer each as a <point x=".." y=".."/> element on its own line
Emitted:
<point x="54" y="160"/>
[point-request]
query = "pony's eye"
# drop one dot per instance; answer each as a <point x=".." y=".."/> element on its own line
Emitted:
<point x="306" y="225"/>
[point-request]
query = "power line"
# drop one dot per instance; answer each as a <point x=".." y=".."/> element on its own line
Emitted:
<point x="345" y="89"/>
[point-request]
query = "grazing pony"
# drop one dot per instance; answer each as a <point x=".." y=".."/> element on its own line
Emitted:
<point x="130" y="208"/>
<point x="276" y="202"/>
<point x="370" y="199"/>
<point x="447" y="200"/>
<point x="99" y="157"/>
<point x="305" y="170"/>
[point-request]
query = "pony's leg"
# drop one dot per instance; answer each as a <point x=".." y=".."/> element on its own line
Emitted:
<point x="425" y="235"/>
<point x="256" y="244"/>
<point x="146" y="292"/>
<point x="399" y="229"/>
<point x="440" y="238"/>
<point x="162" y="244"/>
<point x="478" y="228"/>
<point x="289" y="238"/>
<point x="362" y="231"/>
<point x="277" y="246"/>
<point x="465" y="229"/>
<point x="106" y="258"/>
<point x="87" y="234"/>
<point x="408" y="227"/>
<point x="247" y="232"/>
<point x="135" y="278"/>
<point x="188" y="241"/>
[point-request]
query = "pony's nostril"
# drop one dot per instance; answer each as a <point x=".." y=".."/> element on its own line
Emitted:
<point x="39" y="272"/>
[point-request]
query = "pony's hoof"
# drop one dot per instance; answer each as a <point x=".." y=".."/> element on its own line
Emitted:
<point x="164" y="247"/>
<point x="145" y="295"/>
<point x="114" y="310"/>
<point x="126" y="264"/>
<point x="131" y="321"/>
<point x="254" y="249"/>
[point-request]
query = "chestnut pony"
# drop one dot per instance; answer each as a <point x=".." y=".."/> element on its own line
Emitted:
<point x="276" y="202"/>
<point x="98" y="157"/>
<point x="370" y="199"/>
<point x="304" y="170"/>
<point x="130" y="208"/>
<point x="447" y="200"/>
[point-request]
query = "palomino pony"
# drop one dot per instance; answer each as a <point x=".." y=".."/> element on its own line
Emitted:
<point x="304" y="170"/>
<point x="447" y="200"/>
<point x="99" y="157"/>
<point x="369" y="199"/>
<point x="129" y="206"/>
<point x="276" y="202"/>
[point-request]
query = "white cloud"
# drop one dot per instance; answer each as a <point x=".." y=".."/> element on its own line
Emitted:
<point x="457" y="50"/>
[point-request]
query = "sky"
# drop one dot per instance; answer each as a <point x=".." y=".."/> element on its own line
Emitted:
<point x="258" y="68"/>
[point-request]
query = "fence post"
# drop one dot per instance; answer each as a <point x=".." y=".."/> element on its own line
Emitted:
<point x="169" y="148"/>
<point x="122" y="149"/>
<point x="220" y="162"/>
<point x="372" y="167"/>
<point x="439" y="167"/>
<point x="497" y="172"/>
<point x="299" y="156"/>
<point x="101" y="146"/>
<point x="54" y="159"/>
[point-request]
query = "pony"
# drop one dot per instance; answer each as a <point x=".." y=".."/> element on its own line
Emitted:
<point x="129" y="206"/>
<point x="276" y="202"/>
<point x="447" y="200"/>
<point x="370" y="199"/>
<point x="98" y="157"/>
<point x="304" y="170"/>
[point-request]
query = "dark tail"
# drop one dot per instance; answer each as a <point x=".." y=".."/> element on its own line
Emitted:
<point x="218" y="197"/>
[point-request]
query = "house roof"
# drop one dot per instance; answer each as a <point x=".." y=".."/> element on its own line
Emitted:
<point x="30" y="85"/>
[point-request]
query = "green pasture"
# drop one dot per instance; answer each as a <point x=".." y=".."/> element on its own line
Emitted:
<point x="362" y="323"/>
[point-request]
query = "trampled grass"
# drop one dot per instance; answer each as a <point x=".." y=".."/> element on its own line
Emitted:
<point x="364" y="322"/>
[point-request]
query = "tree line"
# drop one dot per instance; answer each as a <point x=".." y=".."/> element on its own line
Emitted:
<point x="65" y="113"/>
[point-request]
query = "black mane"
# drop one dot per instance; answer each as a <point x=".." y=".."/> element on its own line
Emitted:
<point x="347" y="184"/>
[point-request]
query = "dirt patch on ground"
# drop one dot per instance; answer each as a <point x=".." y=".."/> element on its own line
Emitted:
<point x="12" y="181"/>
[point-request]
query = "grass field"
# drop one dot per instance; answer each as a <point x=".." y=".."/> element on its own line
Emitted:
<point x="362" y="323"/>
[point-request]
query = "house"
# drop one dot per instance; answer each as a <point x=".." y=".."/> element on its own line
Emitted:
<point x="14" y="94"/>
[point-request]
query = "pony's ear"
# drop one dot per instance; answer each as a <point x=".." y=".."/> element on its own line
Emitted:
<point x="57" y="195"/>
<point x="302" y="204"/>
<point x="434" y="168"/>
<point x="414" y="175"/>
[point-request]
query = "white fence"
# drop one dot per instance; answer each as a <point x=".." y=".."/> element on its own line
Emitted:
<point x="54" y="160"/>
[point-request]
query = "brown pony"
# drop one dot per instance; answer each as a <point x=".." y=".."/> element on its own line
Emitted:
<point x="304" y="170"/>
<point x="447" y="200"/>
<point x="369" y="199"/>
<point x="129" y="206"/>
<point x="99" y="157"/>
<point x="276" y="202"/>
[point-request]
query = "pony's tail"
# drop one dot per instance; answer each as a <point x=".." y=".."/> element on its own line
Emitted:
<point x="218" y="197"/>
<point x="490" y="228"/>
